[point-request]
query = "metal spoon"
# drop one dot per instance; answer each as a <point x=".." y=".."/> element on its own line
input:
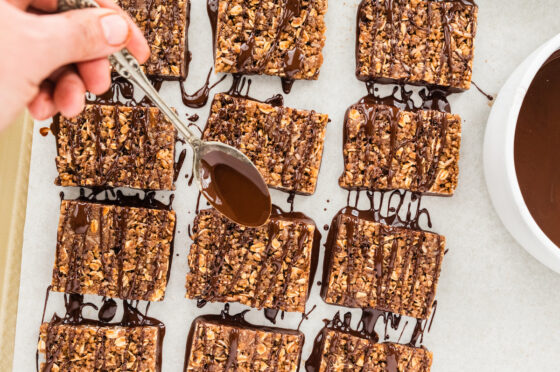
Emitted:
<point x="230" y="161"/>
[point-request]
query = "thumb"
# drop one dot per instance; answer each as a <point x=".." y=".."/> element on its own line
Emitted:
<point x="81" y="35"/>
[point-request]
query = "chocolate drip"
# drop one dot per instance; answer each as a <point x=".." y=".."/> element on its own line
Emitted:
<point x="179" y="164"/>
<point x="199" y="98"/>
<point x="109" y="196"/>
<point x="75" y="305"/>
<point x="489" y="97"/>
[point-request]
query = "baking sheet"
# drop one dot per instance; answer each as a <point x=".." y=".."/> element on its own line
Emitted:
<point x="497" y="307"/>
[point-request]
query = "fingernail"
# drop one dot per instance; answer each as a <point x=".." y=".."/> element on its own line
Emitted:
<point x="115" y="29"/>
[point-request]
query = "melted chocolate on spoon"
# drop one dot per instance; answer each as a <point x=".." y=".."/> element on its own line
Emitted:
<point x="537" y="140"/>
<point x="235" y="188"/>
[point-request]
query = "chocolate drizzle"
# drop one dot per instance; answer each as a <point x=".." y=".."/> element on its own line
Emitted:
<point x="75" y="305"/>
<point x="199" y="98"/>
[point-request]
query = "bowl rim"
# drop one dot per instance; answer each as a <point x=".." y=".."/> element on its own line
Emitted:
<point x="534" y="62"/>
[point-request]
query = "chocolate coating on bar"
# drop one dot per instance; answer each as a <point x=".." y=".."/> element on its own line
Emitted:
<point x="228" y="342"/>
<point x="400" y="146"/>
<point x="164" y="24"/>
<point x="74" y="342"/>
<point x="285" y="144"/>
<point x="373" y="265"/>
<point x="280" y="37"/>
<point x="113" y="251"/>
<point x="338" y="347"/>
<point x="115" y="146"/>
<point x="537" y="139"/>
<point x="417" y="42"/>
<point x="268" y="267"/>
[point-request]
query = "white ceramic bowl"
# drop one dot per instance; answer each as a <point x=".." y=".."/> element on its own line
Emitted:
<point x="499" y="167"/>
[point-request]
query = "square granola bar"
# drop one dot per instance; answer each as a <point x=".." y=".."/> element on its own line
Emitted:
<point x="164" y="24"/>
<point x="268" y="267"/>
<point x="342" y="351"/>
<point x="219" y="345"/>
<point x="372" y="265"/>
<point x="285" y="144"/>
<point x="417" y="41"/>
<point x="386" y="148"/>
<point x="113" y="251"/>
<point x="115" y="146"/>
<point x="67" y="347"/>
<point x="278" y="37"/>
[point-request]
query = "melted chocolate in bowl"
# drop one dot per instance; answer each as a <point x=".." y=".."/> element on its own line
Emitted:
<point x="235" y="188"/>
<point x="537" y="148"/>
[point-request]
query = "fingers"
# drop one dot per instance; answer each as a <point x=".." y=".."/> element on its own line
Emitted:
<point x="137" y="44"/>
<point x="42" y="106"/>
<point x="78" y="36"/>
<point x="96" y="75"/>
<point x="69" y="93"/>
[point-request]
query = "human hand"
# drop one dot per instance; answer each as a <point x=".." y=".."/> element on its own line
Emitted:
<point x="49" y="61"/>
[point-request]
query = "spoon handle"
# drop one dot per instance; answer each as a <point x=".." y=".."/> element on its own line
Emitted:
<point x="128" y="67"/>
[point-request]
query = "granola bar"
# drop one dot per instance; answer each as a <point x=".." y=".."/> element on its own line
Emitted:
<point x="280" y="37"/>
<point x="115" y="146"/>
<point x="68" y="347"/>
<point x="221" y="345"/>
<point x="372" y="265"/>
<point x="164" y="24"/>
<point x="113" y="251"/>
<point x="417" y="41"/>
<point x="387" y="148"/>
<point x="345" y="351"/>
<point x="269" y="267"/>
<point x="285" y="144"/>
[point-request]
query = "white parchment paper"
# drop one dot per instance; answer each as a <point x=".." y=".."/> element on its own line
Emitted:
<point x="497" y="307"/>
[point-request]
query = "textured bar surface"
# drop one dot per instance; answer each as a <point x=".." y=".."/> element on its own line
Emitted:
<point x="115" y="146"/>
<point x="265" y="267"/>
<point x="386" y="148"/>
<point x="372" y="265"/>
<point x="113" y="251"/>
<point x="278" y="37"/>
<point x="219" y="346"/>
<point x="285" y="144"/>
<point x="343" y="351"/>
<point x="164" y="24"/>
<point x="420" y="42"/>
<point x="88" y="348"/>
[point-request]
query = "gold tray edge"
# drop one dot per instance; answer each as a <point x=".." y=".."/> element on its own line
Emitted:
<point x="12" y="264"/>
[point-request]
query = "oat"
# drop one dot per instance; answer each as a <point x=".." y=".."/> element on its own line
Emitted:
<point x="113" y="251"/>
<point x="416" y="151"/>
<point x="409" y="43"/>
<point x="88" y="348"/>
<point x="382" y="267"/>
<point x="164" y="24"/>
<point x="115" y="146"/>
<point x="265" y="267"/>
<point x="250" y="39"/>
<point x="285" y="144"/>
<point x="256" y="349"/>
<point x="342" y="351"/>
